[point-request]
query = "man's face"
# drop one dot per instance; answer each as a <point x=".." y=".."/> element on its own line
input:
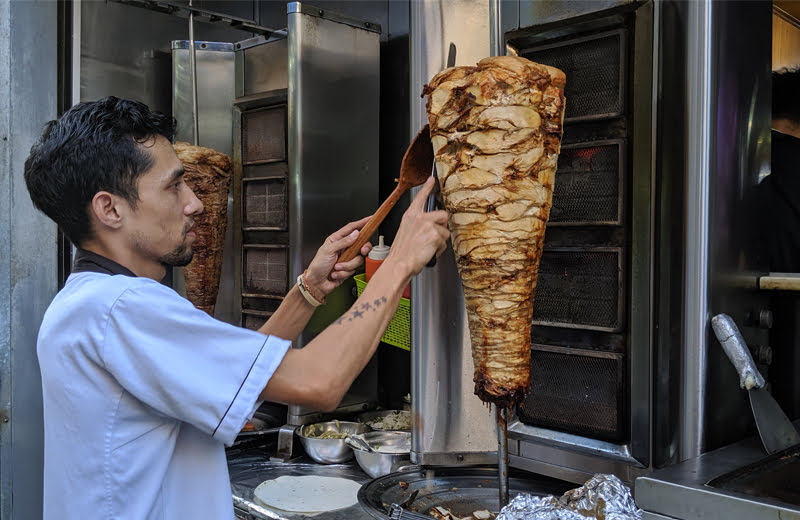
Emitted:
<point x="163" y="222"/>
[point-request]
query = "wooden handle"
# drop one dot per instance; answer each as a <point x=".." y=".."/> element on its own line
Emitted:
<point x="372" y="224"/>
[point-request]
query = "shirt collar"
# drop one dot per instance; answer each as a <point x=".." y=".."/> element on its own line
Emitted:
<point x="87" y="261"/>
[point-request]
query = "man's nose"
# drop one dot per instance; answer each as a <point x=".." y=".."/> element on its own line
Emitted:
<point x="194" y="207"/>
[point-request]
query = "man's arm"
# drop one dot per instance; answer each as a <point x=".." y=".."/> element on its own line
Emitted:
<point x="323" y="276"/>
<point x="319" y="374"/>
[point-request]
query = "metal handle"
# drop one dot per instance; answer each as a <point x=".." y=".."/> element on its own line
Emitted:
<point x="397" y="513"/>
<point x="736" y="349"/>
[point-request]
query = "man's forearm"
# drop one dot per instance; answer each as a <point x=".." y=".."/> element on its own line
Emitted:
<point x="290" y="318"/>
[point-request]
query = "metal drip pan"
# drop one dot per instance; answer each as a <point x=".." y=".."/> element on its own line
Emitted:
<point x="461" y="490"/>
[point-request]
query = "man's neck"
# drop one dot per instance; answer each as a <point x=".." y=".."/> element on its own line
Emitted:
<point x="126" y="258"/>
<point x="787" y="127"/>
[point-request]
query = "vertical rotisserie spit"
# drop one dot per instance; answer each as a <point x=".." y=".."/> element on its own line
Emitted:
<point x="208" y="173"/>
<point x="496" y="133"/>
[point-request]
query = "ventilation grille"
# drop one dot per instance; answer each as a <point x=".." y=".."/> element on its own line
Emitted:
<point x="588" y="188"/>
<point x="580" y="289"/>
<point x="265" y="271"/>
<point x="265" y="204"/>
<point x="594" y="67"/>
<point x="575" y="391"/>
<point x="264" y="135"/>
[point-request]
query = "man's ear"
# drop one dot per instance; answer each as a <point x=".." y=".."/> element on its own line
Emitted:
<point x="106" y="209"/>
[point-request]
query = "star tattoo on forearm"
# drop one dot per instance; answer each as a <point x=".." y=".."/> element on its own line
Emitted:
<point x="359" y="310"/>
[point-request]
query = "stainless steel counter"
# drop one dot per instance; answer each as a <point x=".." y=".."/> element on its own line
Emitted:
<point x="681" y="491"/>
<point x="247" y="472"/>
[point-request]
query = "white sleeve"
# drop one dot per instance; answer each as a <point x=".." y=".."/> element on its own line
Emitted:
<point x="184" y="363"/>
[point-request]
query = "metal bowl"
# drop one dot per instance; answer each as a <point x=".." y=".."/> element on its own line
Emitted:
<point x="375" y="463"/>
<point x="375" y="420"/>
<point x="329" y="451"/>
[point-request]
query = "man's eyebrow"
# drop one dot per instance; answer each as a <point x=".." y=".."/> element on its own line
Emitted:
<point x="175" y="175"/>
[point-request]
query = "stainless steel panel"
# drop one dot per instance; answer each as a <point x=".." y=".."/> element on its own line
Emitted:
<point x="255" y="76"/>
<point x="125" y="51"/>
<point x="696" y="284"/>
<point x="451" y="426"/>
<point x="28" y="263"/>
<point x="532" y="12"/>
<point x="215" y="93"/>
<point x="333" y="108"/>
<point x="682" y="491"/>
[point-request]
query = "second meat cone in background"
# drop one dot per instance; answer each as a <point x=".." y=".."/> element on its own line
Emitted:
<point x="208" y="174"/>
<point x="496" y="134"/>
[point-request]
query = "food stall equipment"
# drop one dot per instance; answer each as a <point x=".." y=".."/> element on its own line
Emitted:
<point x="305" y="162"/>
<point x="635" y="256"/>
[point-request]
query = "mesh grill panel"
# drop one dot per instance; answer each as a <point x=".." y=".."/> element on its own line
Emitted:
<point x="587" y="186"/>
<point x="266" y="271"/>
<point x="593" y="75"/>
<point x="265" y="204"/>
<point x="264" y="135"/>
<point x="254" y="321"/>
<point x="579" y="289"/>
<point x="576" y="393"/>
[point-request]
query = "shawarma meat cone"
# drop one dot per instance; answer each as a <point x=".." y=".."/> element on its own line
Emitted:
<point x="208" y="173"/>
<point x="496" y="133"/>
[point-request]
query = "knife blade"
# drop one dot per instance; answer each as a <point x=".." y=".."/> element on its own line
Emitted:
<point x="430" y="204"/>
<point x="776" y="431"/>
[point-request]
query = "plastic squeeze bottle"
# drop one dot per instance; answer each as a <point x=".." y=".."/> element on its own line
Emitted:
<point x="376" y="257"/>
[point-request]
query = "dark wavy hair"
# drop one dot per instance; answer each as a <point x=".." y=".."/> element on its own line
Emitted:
<point x="94" y="146"/>
<point x="786" y="94"/>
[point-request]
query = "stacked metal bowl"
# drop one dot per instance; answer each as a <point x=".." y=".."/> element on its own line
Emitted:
<point x="325" y="442"/>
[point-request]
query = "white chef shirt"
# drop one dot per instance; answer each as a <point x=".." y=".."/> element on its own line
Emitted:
<point x="141" y="393"/>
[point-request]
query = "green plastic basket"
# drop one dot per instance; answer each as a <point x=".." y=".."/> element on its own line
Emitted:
<point x="399" y="331"/>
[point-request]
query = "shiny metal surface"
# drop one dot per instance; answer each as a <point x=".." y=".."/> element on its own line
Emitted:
<point x="376" y="463"/>
<point x="247" y="472"/>
<point x="698" y="168"/>
<point x="329" y="451"/>
<point x="451" y="425"/>
<point x="501" y="418"/>
<point x="193" y="74"/>
<point x="738" y="152"/>
<point x="125" y="50"/>
<point x="538" y="13"/>
<point x="28" y="263"/>
<point x="215" y="95"/>
<point x="333" y="108"/>
<point x="462" y="490"/>
<point x="681" y="491"/>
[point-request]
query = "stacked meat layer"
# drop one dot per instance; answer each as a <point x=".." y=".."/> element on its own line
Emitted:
<point x="496" y="133"/>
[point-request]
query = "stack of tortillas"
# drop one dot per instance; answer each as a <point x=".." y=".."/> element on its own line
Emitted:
<point x="308" y="493"/>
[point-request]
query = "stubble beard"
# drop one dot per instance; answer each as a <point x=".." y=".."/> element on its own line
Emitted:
<point x="179" y="257"/>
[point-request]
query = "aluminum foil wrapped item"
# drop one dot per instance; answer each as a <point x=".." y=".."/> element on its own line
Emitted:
<point x="602" y="497"/>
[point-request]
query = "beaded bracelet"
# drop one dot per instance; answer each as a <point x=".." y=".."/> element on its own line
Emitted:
<point x="306" y="291"/>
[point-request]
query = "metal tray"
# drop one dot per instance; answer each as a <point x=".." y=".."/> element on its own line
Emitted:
<point x="461" y="490"/>
<point x="775" y="477"/>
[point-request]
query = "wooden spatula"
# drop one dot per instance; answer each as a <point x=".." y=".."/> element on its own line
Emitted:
<point x="414" y="170"/>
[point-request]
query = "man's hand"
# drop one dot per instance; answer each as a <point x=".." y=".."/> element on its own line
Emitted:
<point x="421" y="234"/>
<point x="324" y="273"/>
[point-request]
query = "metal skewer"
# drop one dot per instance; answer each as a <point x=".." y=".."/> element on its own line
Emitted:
<point x="501" y="416"/>
<point x="193" y="66"/>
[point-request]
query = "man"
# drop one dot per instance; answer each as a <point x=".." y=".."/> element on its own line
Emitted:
<point x="777" y="197"/>
<point x="142" y="390"/>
